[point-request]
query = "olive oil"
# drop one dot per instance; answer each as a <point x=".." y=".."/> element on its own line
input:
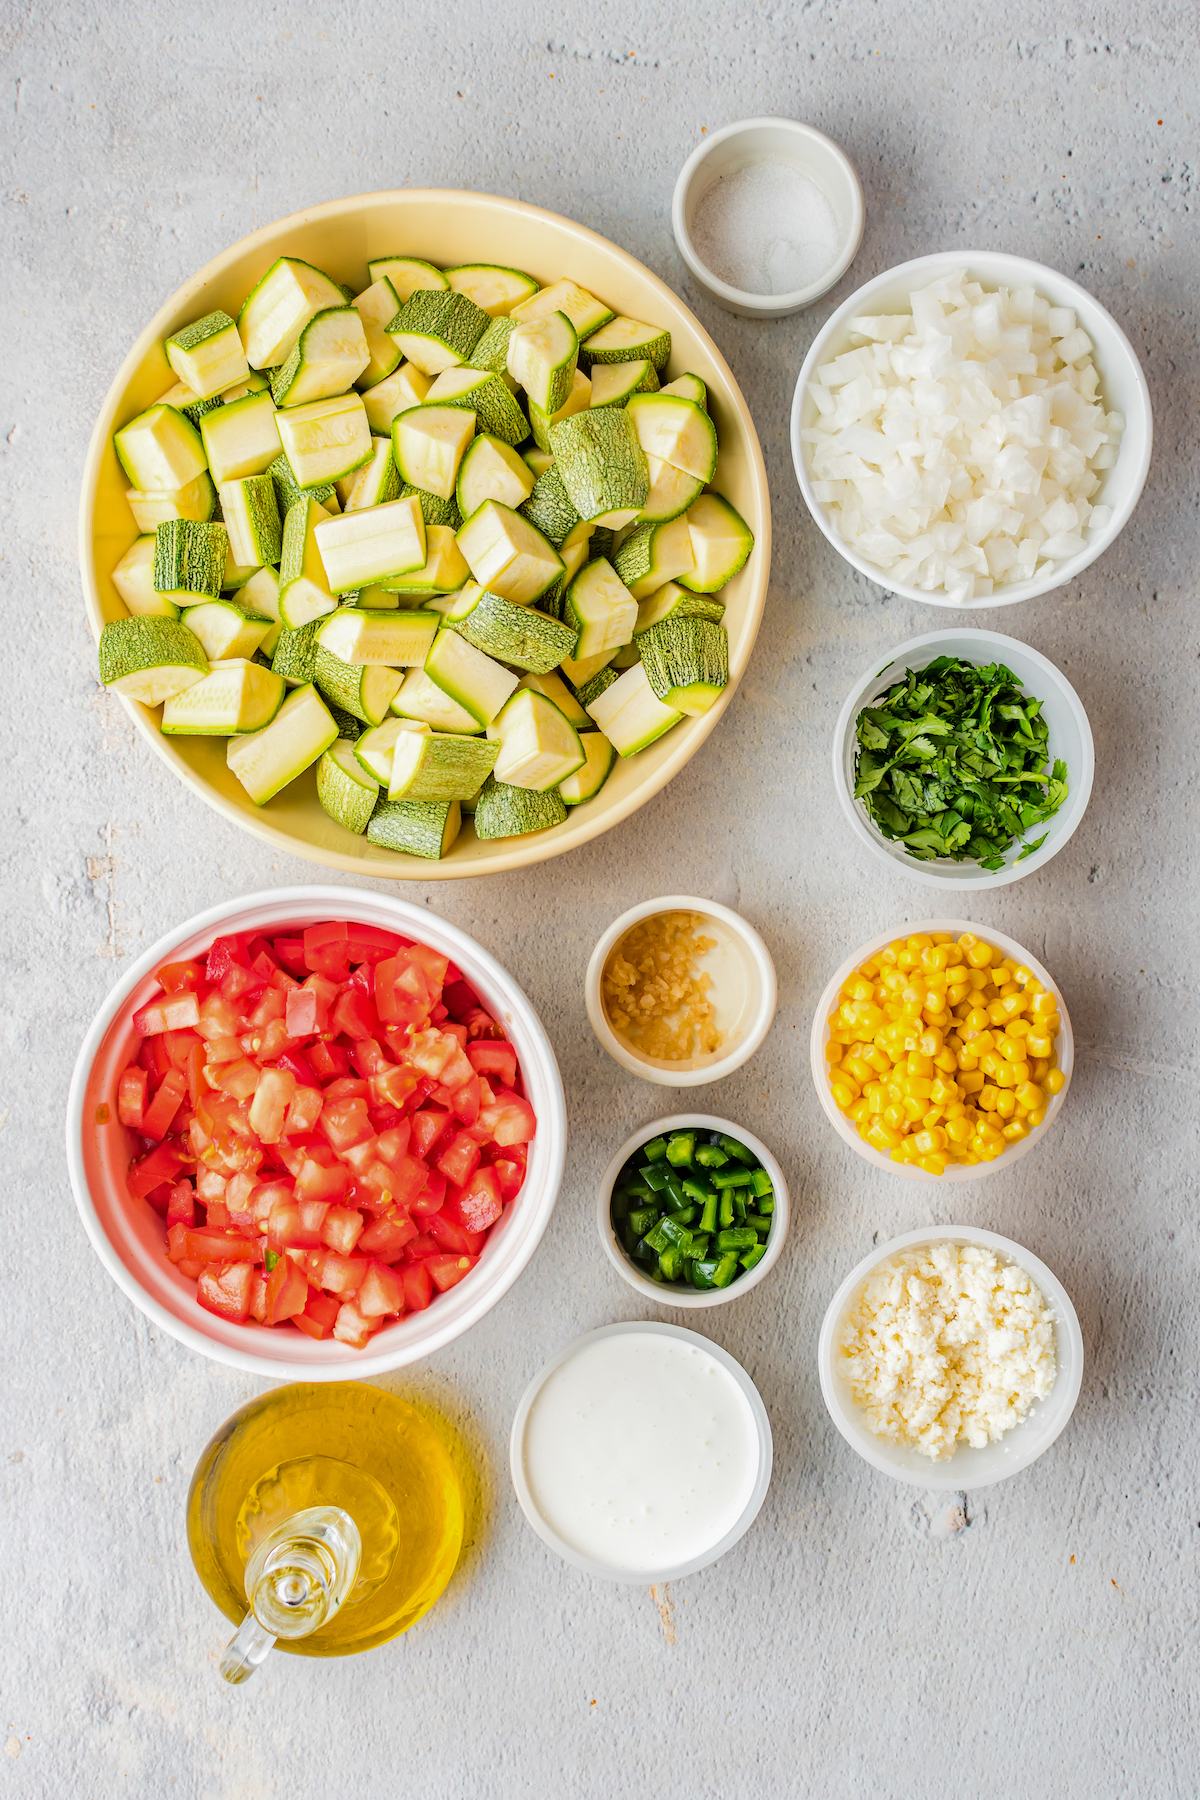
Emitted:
<point x="339" y="1444"/>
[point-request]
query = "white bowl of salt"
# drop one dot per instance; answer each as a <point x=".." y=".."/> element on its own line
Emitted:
<point x="768" y="215"/>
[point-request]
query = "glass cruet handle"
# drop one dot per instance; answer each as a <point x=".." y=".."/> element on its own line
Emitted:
<point x="296" y="1580"/>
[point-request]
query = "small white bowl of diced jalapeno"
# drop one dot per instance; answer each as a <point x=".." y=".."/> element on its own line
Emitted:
<point x="693" y="1211"/>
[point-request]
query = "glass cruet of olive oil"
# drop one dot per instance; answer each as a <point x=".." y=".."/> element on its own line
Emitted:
<point x="326" y="1518"/>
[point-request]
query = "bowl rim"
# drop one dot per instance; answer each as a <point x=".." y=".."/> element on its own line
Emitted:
<point x="603" y="1571"/>
<point x="867" y="832"/>
<point x="796" y="298"/>
<point x="347" y="901"/>
<point x="940" y="1477"/>
<point x="708" y="1072"/>
<point x="1021" y="268"/>
<point x="525" y="851"/>
<point x="954" y="1172"/>
<point x="694" y="1300"/>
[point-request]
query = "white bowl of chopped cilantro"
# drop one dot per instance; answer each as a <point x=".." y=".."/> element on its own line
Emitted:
<point x="963" y="759"/>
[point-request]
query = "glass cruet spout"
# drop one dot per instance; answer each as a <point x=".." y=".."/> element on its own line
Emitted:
<point x="296" y="1579"/>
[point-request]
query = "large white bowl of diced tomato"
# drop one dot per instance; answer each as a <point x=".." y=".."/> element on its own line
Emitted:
<point x="316" y="1133"/>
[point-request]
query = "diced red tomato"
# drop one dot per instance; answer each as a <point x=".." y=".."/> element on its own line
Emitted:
<point x="459" y="1161"/>
<point x="392" y="1144"/>
<point x="287" y="1291"/>
<point x="447" y="1271"/>
<point x="224" y="954"/>
<point x="298" y="1065"/>
<point x="329" y="1061"/>
<point x="131" y="1097"/>
<point x="427" y="1127"/>
<point x="181" y="1204"/>
<point x="448" y="1235"/>
<point x="370" y="1058"/>
<point x="351" y="1327"/>
<point x="238" y="1078"/>
<point x="343" y="1275"/>
<point x="317" y="1181"/>
<point x="160" y="1198"/>
<point x="490" y="1058"/>
<point x="319" y="1316"/>
<point x="345" y="1122"/>
<point x="418" y="1286"/>
<point x="510" y="1174"/>
<point x="382" y="1291"/>
<point x="161" y="1165"/>
<point x="225" y="1289"/>
<point x="386" y="1237"/>
<point x="467" y="1100"/>
<point x="173" y="1012"/>
<point x="258" y="1297"/>
<point x="370" y="943"/>
<point x="431" y="1196"/>
<point x="269" y="1010"/>
<point x="237" y="982"/>
<point x="172" y="977"/>
<point x="393" y="1085"/>
<point x="269" y="1108"/>
<point x="286" y="1229"/>
<point x="479" y="1204"/>
<point x="304" y="1111"/>
<point x="209" y="1246"/>
<point x="342" y="1229"/>
<point x="353" y="1015"/>
<point x="510" y="1119"/>
<point x="290" y="954"/>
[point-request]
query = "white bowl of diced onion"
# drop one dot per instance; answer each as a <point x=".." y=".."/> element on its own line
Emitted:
<point x="1057" y="468"/>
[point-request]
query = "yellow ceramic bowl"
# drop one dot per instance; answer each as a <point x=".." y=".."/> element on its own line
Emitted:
<point x="446" y="227"/>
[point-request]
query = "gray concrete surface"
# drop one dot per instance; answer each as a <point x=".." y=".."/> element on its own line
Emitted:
<point x="860" y="1642"/>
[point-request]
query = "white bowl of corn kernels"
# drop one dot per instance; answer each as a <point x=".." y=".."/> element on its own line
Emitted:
<point x="942" y="1052"/>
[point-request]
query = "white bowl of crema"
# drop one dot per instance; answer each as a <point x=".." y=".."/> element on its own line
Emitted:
<point x="641" y="1453"/>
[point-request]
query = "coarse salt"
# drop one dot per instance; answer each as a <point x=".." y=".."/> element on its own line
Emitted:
<point x="766" y="229"/>
<point x="947" y="1344"/>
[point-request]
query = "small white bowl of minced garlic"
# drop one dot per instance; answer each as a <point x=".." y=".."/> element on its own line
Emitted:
<point x="680" y="991"/>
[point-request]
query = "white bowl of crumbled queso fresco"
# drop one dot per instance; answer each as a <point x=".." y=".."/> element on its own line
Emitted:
<point x="951" y="1397"/>
<point x="971" y="429"/>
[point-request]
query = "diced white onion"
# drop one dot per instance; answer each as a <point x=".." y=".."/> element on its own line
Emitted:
<point x="960" y="444"/>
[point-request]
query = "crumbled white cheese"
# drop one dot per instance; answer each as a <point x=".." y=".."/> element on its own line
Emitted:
<point x="947" y="1344"/>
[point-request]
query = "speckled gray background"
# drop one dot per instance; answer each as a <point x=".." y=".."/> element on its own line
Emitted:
<point x="855" y="1644"/>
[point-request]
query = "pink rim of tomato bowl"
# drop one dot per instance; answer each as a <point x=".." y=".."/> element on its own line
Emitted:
<point x="129" y="1237"/>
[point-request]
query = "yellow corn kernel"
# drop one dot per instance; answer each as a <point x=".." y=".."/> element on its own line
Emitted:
<point x="917" y="1087"/>
<point x="857" y="988"/>
<point x="894" y="1117"/>
<point x="938" y="956"/>
<point x="833" y="1051"/>
<point x="940" y="1021"/>
<point x="882" y="1137"/>
<point x="934" y="1116"/>
<point x="1004" y="1078"/>
<point x="934" y="1165"/>
<point x="855" y="1067"/>
<point x="1018" y="1028"/>
<point x="957" y="972"/>
<point x="943" y="1091"/>
<point x="1006" y="1104"/>
<point x="1015" y="1130"/>
<point x="913" y="1107"/>
<point x="918" y="941"/>
<point x="1021" y="973"/>
<point x="1039" y="1068"/>
<point x="876" y="1099"/>
<point x="988" y="1096"/>
<point x="1055" y="1082"/>
<point x="1035" y="1118"/>
<point x="991" y="1063"/>
<point x="957" y="1109"/>
<point x="1010" y="1049"/>
<point x="919" y="1063"/>
<point x="978" y="980"/>
<point x="845" y="1093"/>
<point x="957" y="992"/>
<point x="947" y="1062"/>
<point x="978" y="1019"/>
<point x="980" y="956"/>
<point x="1007" y="1007"/>
<point x="858" y="1111"/>
<point x="970" y="1077"/>
<point x="870" y="968"/>
<point x="1039" y="1046"/>
<point x="959" y="1131"/>
<point x="1030" y="1096"/>
<point x="930" y="1140"/>
<point x="1042" y="1005"/>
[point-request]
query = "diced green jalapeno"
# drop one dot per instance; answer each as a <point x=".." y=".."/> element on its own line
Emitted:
<point x="680" y="1148"/>
<point x="655" y="1178"/>
<point x="702" y="1274"/>
<point x="670" y="1263"/>
<point x="752" y="1258"/>
<point x="655" y="1150"/>
<point x="761" y="1224"/>
<point x="725" y="1270"/>
<point x="731" y="1178"/>
<point x="739" y="1205"/>
<point x="699" y="1247"/>
<point x="674" y="1187"/>
<point x="708" y="1216"/>
<point x="644" y="1254"/>
<point x="725" y="1210"/>
<point x="642" y="1220"/>
<point x="731" y="1147"/>
<point x="766" y="1203"/>
<point x="620" y="1204"/>
<point x="743" y="1237"/>
<point x="711" y="1156"/>
<point x="760" y="1181"/>
<point x="697" y="1189"/>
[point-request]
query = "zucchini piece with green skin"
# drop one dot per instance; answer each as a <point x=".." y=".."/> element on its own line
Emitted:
<point x="345" y="789"/>
<point x="492" y="470"/>
<point x="438" y="766"/>
<point x="364" y="690"/>
<point x="250" y="510"/>
<point x="261" y="594"/>
<point x="494" y="289"/>
<point x="428" y="444"/>
<point x="329" y="356"/>
<point x="444" y="570"/>
<point x="375" y="483"/>
<point x="265" y="761"/>
<point x="160" y="449"/>
<point x="721" y="543"/>
<point x="508" y="555"/>
<point x="677" y="431"/>
<point x="630" y="714"/>
<point x="189" y="404"/>
<point x="674" y="602"/>
<point x="503" y="811"/>
<point x="613" y="383"/>
<point x="406" y="386"/>
<point x="189" y="560"/>
<point x="625" y="658"/>
<point x="349" y="727"/>
<point x="671" y="492"/>
<point x="543" y="354"/>
<point x="491" y="352"/>
<point x="151" y="507"/>
<point x="421" y="700"/>
<point x="255" y="383"/>
<point x="236" y="574"/>
<point x="133" y="579"/>
<point x="376" y="746"/>
<point x="400" y="640"/>
<point x="304" y="590"/>
<point x="407" y="274"/>
<point x="537" y="459"/>
<point x="485" y="394"/>
<point x="425" y="828"/>
<point x="538" y="746"/>
<point x="688" y="387"/>
<point x="437" y="330"/>
<point x="275" y="312"/>
<point x="325" y="439"/>
<point x="377" y="306"/>
<point x="434" y="509"/>
<point x="241" y="438"/>
<point x="686" y="662"/>
<point x="295" y="655"/>
<point x="288" y="489"/>
<point x="377" y="599"/>
<point x="559" y="694"/>
<point x="207" y="355"/>
<point x="237" y="696"/>
<point x="578" y="671"/>
<point x="472" y="680"/>
<point x="550" y="508"/>
<point x="586" y="782"/>
<point x="512" y="634"/>
<point x="371" y="545"/>
<point x="578" y="400"/>
<point x="585" y="312"/>
<point x="652" y="555"/>
<point x="592" y="690"/>
<point x="149" y="659"/>
<point x="225" y="630"/>
<point x="601" y="463"/>
<point x="624" y="339"/>
<point x="600" y="607"/>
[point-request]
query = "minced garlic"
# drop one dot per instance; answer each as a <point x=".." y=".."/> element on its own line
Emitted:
<point x="947" y="1344"/>
<point x="653" y="994"/>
